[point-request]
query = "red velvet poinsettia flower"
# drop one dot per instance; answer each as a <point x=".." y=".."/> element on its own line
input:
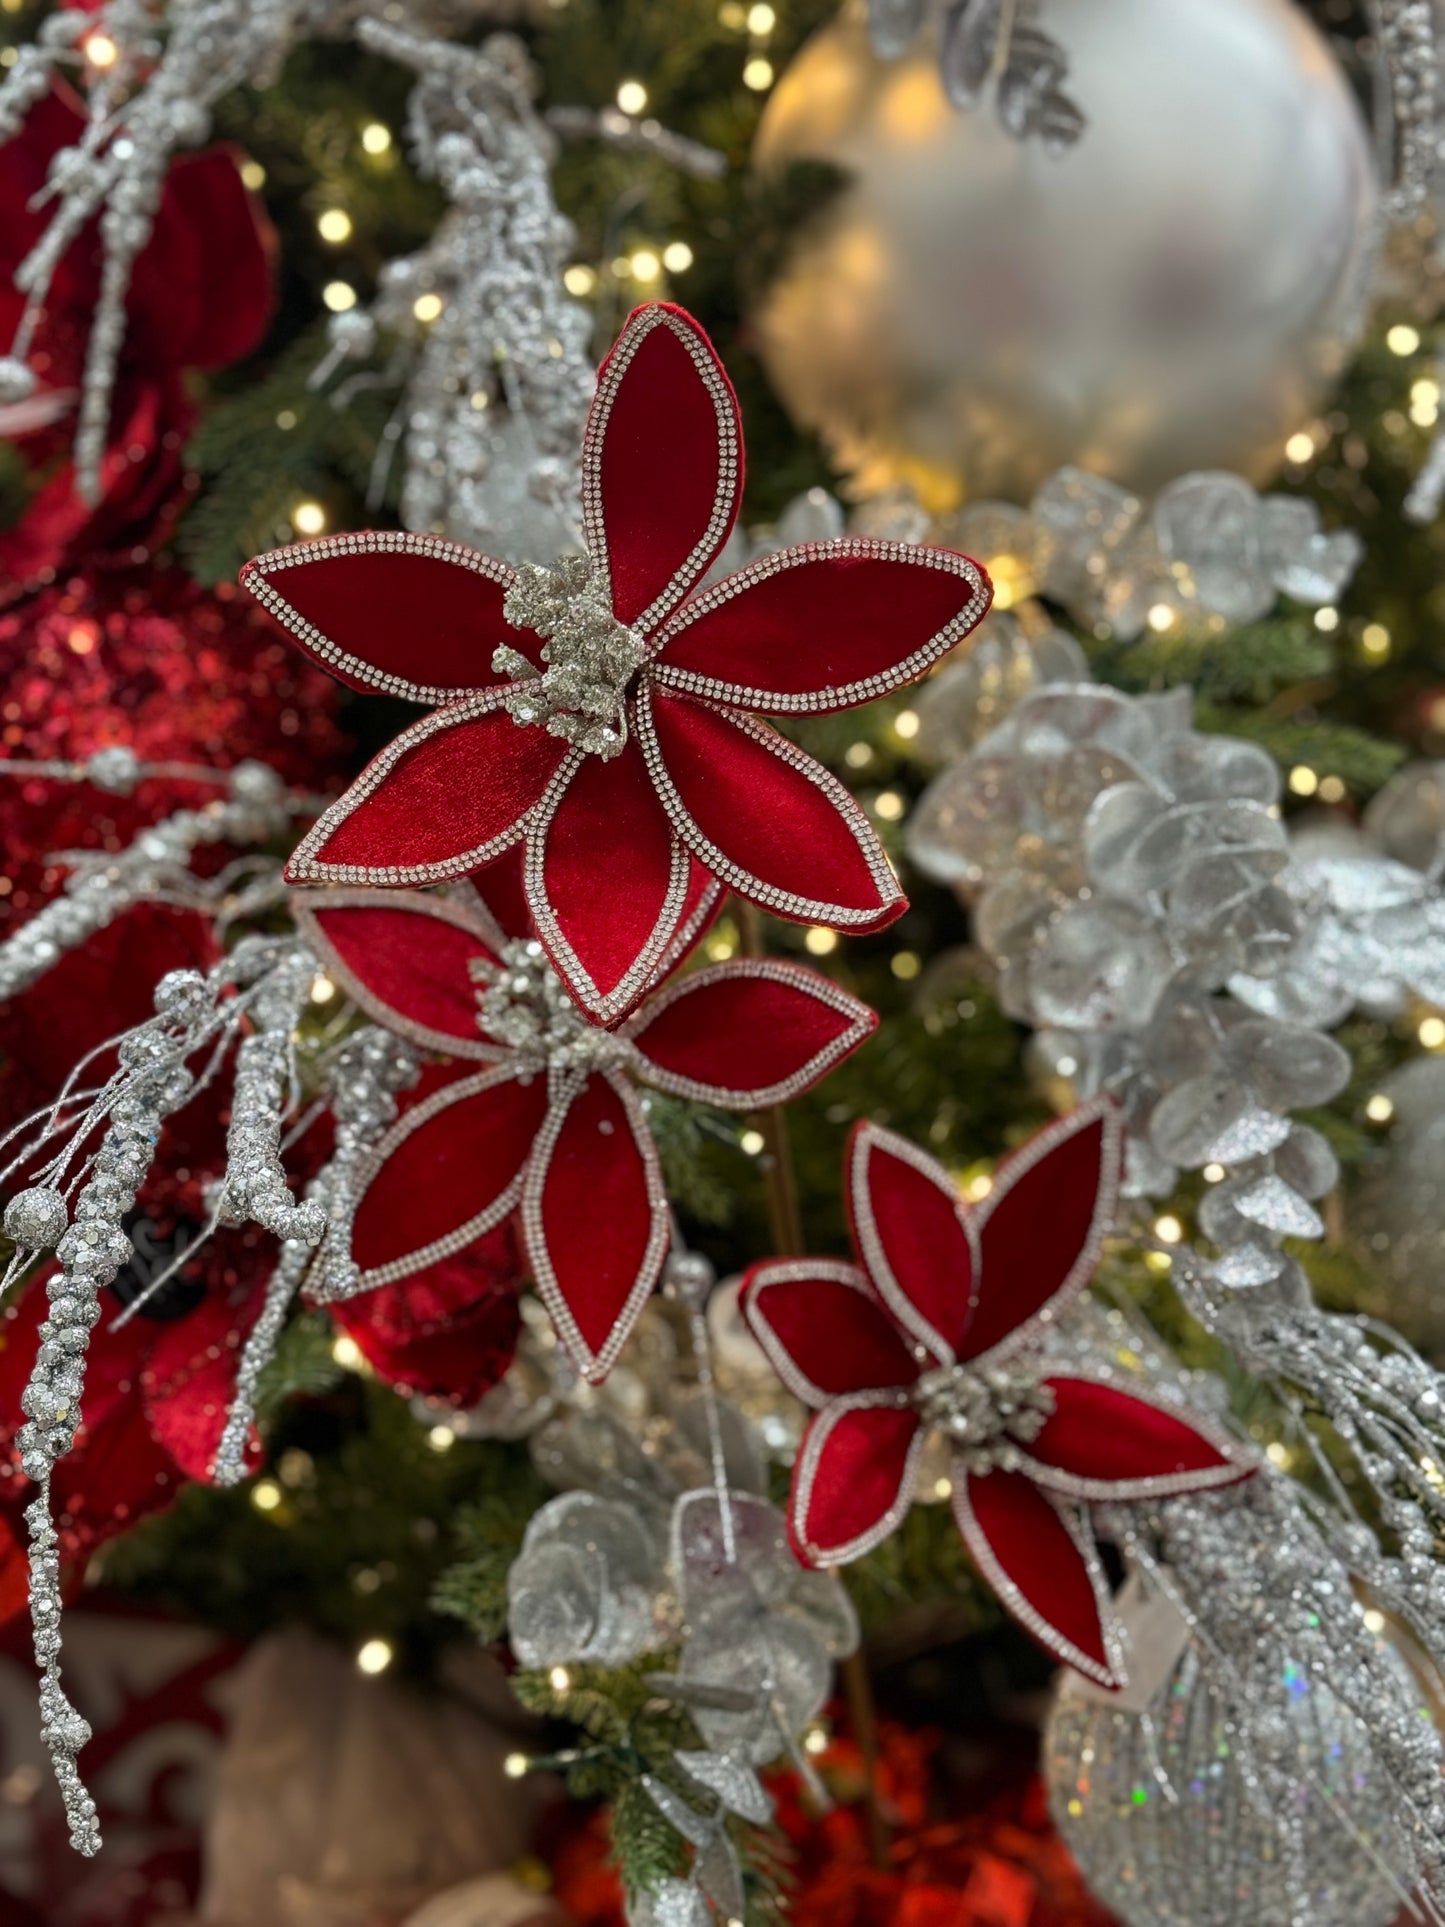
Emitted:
<point x="622" y="749"/>
<point x="551" y="1125"/>
<point x="200" y="297"/>
<point x="939" y="1327"/>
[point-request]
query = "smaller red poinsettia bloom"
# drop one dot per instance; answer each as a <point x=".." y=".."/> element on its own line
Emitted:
<point x="939" y="1327"/>
<point x="601" y="711"/>
<point x="200" y="297"/>
<point x="551" y="1126"/>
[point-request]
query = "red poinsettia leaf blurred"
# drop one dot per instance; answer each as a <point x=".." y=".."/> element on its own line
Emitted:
<point x="189" y="1377"/>
<point x="202" y="291"/>
<point x="448" y="1333"/>
<point x="823" y="1329"/>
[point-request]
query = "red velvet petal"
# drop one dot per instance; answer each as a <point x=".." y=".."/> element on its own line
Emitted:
<point x="823" y="1330"/>
<point x="913" y="1235"/>
<point x="95" y="992"/>
<point x="448" y="1170"/>
<point x="607" y="880"/>
<point x="190" y="1377"/>
<point x="1104" y="1443"/>
<point x="410" y="615"/>
<point x="853" y="1482"/>
<point x="595" y="1220"/>
<point x="449" y="794"/>
<point x="1027" y="1552"/>
<point x="406" y="959"/>
<point x="746" y="1034"/>
<point x="448" y="1333"/>
<point x="823" y="626"/>
<point x="662" y="463"/>
<point x="1042" y="1226"/>
<point x="14" y="1572"/>
<point x="201" y="293"/>
<point x="767" y="819"/>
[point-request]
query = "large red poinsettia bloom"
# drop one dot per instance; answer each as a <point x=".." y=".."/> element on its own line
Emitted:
<point x="200" y="297"/>
<point x="939" y="1326"/>
<point x="552" y="1126"/>
<point x="622" y="751"/>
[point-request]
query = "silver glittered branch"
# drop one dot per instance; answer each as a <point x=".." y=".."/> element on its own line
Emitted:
<point x="1407" y="98"/>
<point x="369" y="1069"/>
<point x="255" y="1186"/>
<point x="168" y="68"/>
<point x="155" y="867"/>
<point x="494" y="359"/>
<point x="631" y="135"/>
<point x="1270" y="1607"/>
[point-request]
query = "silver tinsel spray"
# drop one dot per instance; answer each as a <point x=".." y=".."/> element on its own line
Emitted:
<point x="497" y="381"/>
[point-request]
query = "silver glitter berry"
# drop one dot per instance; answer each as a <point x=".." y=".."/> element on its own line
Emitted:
<point x="36" y="1219"/>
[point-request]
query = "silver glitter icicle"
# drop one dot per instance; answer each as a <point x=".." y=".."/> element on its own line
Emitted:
<point x="370" y="1068"/>
<point x="91" y="1253"/>
<point x="255" y="1185"/>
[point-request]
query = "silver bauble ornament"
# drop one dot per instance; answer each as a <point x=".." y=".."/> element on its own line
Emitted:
<point x="1177" y="292"/>
<point x="1216" y="1858"/>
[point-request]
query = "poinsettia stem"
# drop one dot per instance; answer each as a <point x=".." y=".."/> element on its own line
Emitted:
<point x="785" y="1223"/>
<point x="786" y="1233"/>
<point x="863" y="1717"/>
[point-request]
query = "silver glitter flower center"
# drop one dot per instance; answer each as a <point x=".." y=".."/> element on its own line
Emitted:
<point x="987" y="1414"/>
<point x="523" y="1004"/>
<point x="590" y="656"/>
